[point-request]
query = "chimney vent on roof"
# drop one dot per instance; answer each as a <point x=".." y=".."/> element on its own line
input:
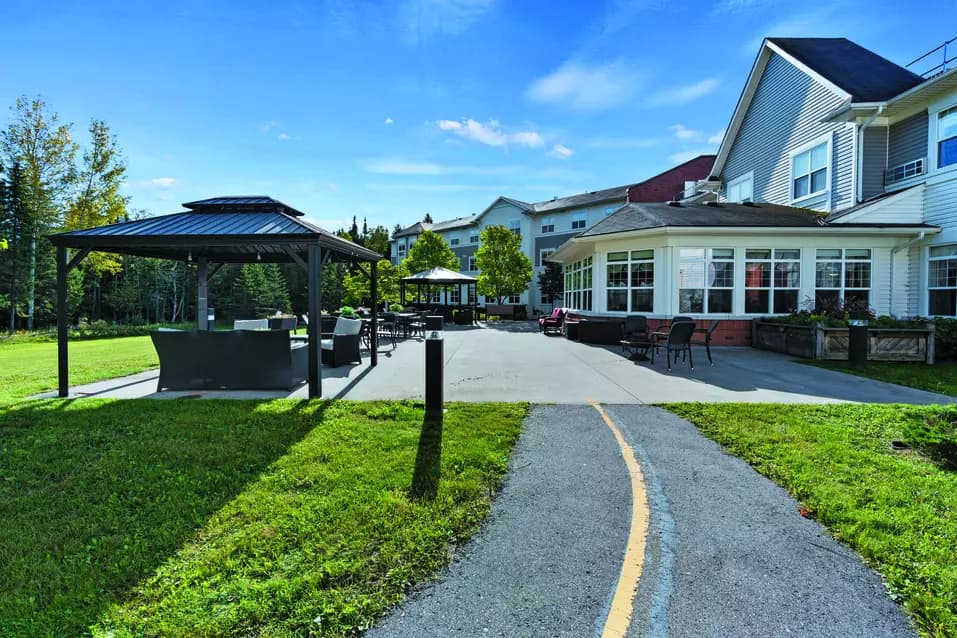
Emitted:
<point x="675" y="203"/>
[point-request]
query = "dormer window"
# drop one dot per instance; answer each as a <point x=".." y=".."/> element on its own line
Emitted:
<point x="947" y="137"/>
<point x="809" y="170"/>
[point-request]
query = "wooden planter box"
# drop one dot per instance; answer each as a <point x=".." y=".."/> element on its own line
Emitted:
<point x="818" y="342"/>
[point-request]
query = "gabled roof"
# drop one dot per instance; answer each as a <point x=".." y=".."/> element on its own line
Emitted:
<point x="864" y="75"/>
<point x="439" y="275"/>
<point x="451" y="224"/>
<point x="582" y="199"/>
<point x="225" y="230"/>
<point x="850" y="71"/>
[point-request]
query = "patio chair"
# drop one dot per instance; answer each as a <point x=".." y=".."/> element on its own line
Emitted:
<point x="553" y="322"/>
<point x="706" y="339"/>
<point x="679" y="340"/>
<point x="634" y="334"/>
<point x="387" y="326"/>
<point x="342" y="345"/>
<point x="417" y="324"/>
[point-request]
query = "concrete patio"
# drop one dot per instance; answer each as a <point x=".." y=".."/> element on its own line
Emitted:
<point x="512" y="361"/>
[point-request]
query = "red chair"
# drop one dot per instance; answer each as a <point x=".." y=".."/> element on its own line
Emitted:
<point x="552" y="323"/>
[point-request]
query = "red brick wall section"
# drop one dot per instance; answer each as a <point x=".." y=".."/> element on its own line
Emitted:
<point x="730" y="332"/>
<point x="670" y="184"/>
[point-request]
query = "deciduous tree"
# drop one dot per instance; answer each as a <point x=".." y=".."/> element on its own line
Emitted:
<point x="505" y="270"/>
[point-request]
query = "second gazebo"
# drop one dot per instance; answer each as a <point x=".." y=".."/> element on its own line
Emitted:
<point x="445" y="281"/>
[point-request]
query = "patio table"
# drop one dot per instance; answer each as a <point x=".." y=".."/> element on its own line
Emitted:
<point x="404" y="321"/>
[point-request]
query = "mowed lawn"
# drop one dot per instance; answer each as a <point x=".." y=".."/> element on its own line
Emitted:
<point x="898" y="509"/>
<point x="192" y="518"/>
<point x="29" y="368"/>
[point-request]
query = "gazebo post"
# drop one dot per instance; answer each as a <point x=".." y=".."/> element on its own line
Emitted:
<point x="63" y="364"/>
<point x="374" y="324"/>
<point x="202" y="286"/>
<point x="314" y="327"/>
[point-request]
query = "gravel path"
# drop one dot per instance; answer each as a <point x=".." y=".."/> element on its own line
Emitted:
<point x="728" y="553"/>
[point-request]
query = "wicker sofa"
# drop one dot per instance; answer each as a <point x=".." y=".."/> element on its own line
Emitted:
<point x="229" y="360"/>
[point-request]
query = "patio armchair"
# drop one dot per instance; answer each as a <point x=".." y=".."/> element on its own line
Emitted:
<point x="387" y="326"/>
<point x="679" y="340"/>
<point x="706" y="339"/>
<point x="342" y="345"/>
<point x="553" y="322"/>
<point x="634" y="334"/>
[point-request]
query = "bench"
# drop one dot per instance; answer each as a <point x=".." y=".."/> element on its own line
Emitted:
<point x="230" y="360"/>
<point x="506" y="310"/>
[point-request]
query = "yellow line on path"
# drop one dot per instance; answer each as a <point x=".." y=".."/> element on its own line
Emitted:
<point x="619" y="615"/>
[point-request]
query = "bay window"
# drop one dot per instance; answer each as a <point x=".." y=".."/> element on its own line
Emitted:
<point x="772" y="279"/>
<point x="578" y="284"/>
<point x="842" y="279"/>
<point x="705" y="280"/>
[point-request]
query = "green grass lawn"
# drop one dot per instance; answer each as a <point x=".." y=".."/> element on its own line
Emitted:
<point x="27" y="368"/>
<point x="897" y="509"/>
<point x="940" y="377"/>
<point x="190" y="518"/>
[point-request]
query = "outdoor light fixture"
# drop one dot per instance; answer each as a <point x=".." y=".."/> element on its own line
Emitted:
<point x="189" y="257"/>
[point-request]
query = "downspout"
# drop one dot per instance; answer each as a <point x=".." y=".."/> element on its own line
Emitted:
<point x="894" y="251"/>
<point x="859" y="163"/>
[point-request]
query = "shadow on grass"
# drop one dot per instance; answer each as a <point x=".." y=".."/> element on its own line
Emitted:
<point x="94" y="495"/>
<point x="428" y="460"/>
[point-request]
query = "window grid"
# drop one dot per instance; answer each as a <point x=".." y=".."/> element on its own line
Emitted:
<point x="942" y="281"/>
<point x="454" y="241"/>
<point x="809" y="172"/>
<point x="578" y="222"/>
<point x="578" y="284"/>
<point x="706" y="280"/>
<point x="842" y="278"/>
<point x="548" y="225"/>
<point x="630" y="281"/>
<point x="473" y="239"/>
<point x="772" y="280"/>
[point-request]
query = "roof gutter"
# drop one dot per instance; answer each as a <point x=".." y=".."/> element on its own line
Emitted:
<point x="859" y="160"/>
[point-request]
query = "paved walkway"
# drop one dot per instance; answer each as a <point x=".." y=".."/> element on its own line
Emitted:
<point x="512" y="361"/>
<point x="728" y="554"/>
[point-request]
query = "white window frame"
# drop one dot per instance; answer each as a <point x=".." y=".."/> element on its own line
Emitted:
<point x="473" y="239"/>
<point x="453" y="241"/>
<point x="844" y="288"/>
<point x="400" y="249"/>
<point x="931" y="259"/>
<point x="548" y="225"/>
<point x="455" y="295"/>
<point x="933" y="143"/>
<point x="706" y="260"/>
<point x="581" y="219"/>
<point x="471" y="263"/>
<point x="580" y="296"/>
<point x="824" y="139"/>
<point x="631" y="264"/>
<point x="542" y="254"/>
<point x="513" y="299"/>
<point x="736" y="183"/>
<point x="772" y="260"/>
<point x="515" y="225"/>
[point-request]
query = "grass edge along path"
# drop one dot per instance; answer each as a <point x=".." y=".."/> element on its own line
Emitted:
<point x="898" y="511"/>
<point x="940" y="377"/>
<point x="185" y="518"/>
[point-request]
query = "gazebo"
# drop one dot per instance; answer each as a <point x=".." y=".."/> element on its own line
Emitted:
<point x="443" y="278"/>
<point x="211" y="233"/>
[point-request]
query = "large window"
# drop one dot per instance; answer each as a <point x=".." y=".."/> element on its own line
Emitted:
<point x="455" y="295"/>
<point x="809" y="171"/>
<point x="630" y="281"/>
<point x="578" y="284"/>
<point x="741" y="189"/>
<point x="705" y="280"/>
<point x="472" y="263"/>
<point x="771" y="280"/>
<point x="947" y="137"/>
<point x="548" y="225"/>
<point x="942" y="281"/>
<point x="843" y="278"/>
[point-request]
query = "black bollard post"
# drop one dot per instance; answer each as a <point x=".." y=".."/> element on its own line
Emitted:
<point x="434" y="364"/>
<point x="857" y="344"/>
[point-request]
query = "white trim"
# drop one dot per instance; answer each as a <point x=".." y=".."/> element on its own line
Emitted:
<point x="933" y="113"/>
<point x="827" y="138"/>
<point x="749" y="176"/>
<point x="542" y="254"/>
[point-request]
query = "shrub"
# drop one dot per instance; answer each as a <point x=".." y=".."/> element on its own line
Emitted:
<point x="945" y="338"/>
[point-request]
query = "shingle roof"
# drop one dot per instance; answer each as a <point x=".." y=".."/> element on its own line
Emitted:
<point x="866" y="76"/>
<point x="582" y="199"/>
<point x="451" y="224"/>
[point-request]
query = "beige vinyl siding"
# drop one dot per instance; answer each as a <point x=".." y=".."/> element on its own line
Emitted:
<point x="786" y="113"/>
<point x="873" y="156"/>
<point x="907" y="140"/>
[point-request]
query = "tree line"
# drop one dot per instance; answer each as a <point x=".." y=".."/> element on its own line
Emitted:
<point x="51" y="183"/>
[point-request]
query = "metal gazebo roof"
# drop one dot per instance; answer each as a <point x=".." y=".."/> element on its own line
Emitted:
<point x="439" y="275"/>
<point x="223" y="229"/>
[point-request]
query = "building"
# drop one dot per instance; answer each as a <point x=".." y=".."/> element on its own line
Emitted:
<point x="825" y="131"/>
<point x="544" y="226"/>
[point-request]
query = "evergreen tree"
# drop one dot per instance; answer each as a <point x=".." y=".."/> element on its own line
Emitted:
<point x="378" y="241"/>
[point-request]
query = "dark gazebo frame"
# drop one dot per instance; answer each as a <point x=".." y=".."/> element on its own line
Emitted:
<point x="445" y="278"/>
<point x="222" y="230"/>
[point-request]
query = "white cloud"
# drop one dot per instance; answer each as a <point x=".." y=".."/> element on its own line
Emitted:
<point x="684" y="94"/>
<point x="423" y="19"/>
<point x="682" y="132"/>
<point x="284" y="137"/>
<point x="164" y="182"/>
<point x="586" y="88"/>
<point x="268" y="126"/>
<point x="717" y="137"/>
<point x="491" y="134"/>
<point x="389" y="120"/>
<point x="561" y="151"/>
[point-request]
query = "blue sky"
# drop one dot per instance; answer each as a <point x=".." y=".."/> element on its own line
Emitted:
<point x="390" y="110"/>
